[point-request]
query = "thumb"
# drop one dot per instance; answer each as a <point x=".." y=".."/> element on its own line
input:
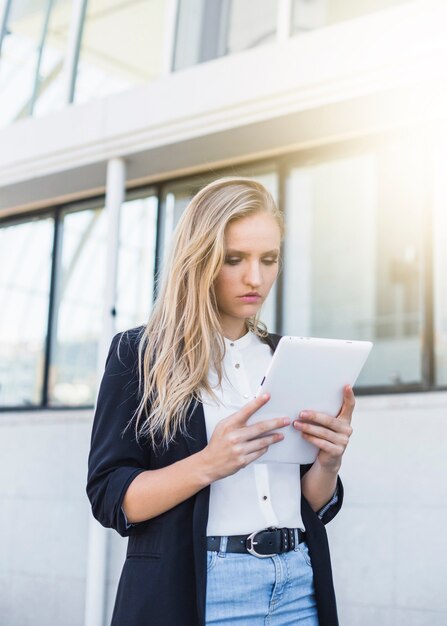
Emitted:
<point x="240" y="418"/>
<point x="348" y="404"/>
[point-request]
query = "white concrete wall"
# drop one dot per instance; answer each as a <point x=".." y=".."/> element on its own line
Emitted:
<point x="43" y="518"/>
<point x="388" y="543"/>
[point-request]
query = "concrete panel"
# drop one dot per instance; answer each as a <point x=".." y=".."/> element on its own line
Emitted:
<point x="37" y="453"/>
<point x="5" y="597"/>
<point x="110" y="600"/>
<point x="365" y="616"/>
<point x="76" y="457"/>
<point x="69" y="602"/>
<point x="116" y="555"/>
<point x="368" y="467"/>
<point x="396" y="456"/>
<point x="41" y="601"/>
<point x="353" y="615"/>
<point x="48" y="537"/>
<point x="425" y="617"/>
<point x="421" y="554"/>
<point x="32" y="602"/>
<point x="69" y="539"/>
<point x="420" y="460"/>
<point x="33" y="537"/>
<point x="7" y="536"/>
<point x="362" y="549"/>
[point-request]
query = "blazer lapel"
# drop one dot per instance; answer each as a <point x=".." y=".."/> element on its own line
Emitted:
<point x="272" y="340"/>
<point x="196" y="440"/>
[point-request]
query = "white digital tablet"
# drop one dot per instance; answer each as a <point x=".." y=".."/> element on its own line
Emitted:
<point x="307" y="373"/>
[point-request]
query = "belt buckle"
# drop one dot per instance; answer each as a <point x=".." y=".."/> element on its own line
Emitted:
<point x="250" y="542"/>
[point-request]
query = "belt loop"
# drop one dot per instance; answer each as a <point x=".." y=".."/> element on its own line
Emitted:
<point x="297" y="539"/>
<point x="223" y="546"/>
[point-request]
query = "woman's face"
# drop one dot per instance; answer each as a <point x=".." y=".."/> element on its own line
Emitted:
<point x="252" y="246"/>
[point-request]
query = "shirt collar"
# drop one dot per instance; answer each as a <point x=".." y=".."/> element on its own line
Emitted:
<point x="242" y="342"/>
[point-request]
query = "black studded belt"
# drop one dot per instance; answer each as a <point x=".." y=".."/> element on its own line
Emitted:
<point x="261" y="543"/>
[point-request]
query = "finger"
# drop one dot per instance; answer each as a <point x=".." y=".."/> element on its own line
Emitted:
<point x="347" y="408"/>
<point x="339" y="438"/>
<point x="240" y="417"/>
<point x="258" y="444"/>
<point x="259" y="429"/>
<point x="327" y="446"/>
<point x="255" y="455"/>
<point x="313" y="417"/>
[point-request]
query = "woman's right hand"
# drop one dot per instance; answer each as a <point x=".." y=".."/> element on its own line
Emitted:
<point x="233" y="444"/>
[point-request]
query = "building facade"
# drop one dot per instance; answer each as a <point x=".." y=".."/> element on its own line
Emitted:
<point x="112" y="115"/>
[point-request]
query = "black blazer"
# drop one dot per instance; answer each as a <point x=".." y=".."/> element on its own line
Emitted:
<point x="163" y="581"/>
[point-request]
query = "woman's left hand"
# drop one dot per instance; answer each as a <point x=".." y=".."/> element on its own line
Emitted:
<point x="330" y="434"/>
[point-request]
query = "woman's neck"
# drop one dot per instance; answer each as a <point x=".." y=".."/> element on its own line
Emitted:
<point x="234" y="332"/>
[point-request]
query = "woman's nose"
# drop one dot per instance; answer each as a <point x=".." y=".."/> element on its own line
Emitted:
<point x="253" y="275"/>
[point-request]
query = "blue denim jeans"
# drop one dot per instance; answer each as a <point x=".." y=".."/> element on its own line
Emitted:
<point x="244" y="590"/>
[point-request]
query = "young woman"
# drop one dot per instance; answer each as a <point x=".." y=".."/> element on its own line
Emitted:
<point x="215" y="536"/>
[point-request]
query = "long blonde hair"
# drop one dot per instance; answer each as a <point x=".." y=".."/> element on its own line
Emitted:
<point x="183" y="336"/>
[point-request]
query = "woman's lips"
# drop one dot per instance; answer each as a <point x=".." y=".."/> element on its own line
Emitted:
<point x="249" y="298"/>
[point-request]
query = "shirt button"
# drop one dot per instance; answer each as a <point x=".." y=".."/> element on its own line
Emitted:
<point x="231" y="344"/>
<point x="237" y="366"/>
<point x="264" y="497"/>
<point x="246" y="395"/>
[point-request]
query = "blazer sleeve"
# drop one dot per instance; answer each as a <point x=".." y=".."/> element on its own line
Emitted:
<point x="331" y="508"/>
<point x="115" y="457"/>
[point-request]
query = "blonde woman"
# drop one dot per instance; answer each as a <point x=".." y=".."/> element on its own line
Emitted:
<point x="216" y="537"/>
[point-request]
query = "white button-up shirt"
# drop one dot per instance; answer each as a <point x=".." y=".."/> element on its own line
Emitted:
<point x="261" y="494"/>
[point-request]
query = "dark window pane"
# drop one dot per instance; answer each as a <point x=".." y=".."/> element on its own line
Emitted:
<point x="208" y="29"/>
<point x="354" y="256"/>
<point x="138" y="230"/>
<point x="123" y="45"/>
<point x="30" y="82"/>
<point x="78" y="307"/>
<point x="251" y="23"/>
<point x="79" y="301"/>
<point x="440" y="267"/>
<point x="25" y="270"/>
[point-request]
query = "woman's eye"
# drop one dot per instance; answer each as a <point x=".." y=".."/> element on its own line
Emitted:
<point x="236" y="260"/>
<point x="270" y="261"/>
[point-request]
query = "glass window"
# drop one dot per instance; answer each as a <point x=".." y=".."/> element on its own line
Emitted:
<point x="51" y="93"/>
<point x="32" y="59"/>
<point x="138" y="230"/>
<point x="354" y="256"/>
<point x="244" y="32"/>
<point x="310" y="14"/>
<point x="207" y="29"/>
<point x="439" y="234"/>
<point x="78" y="306"/>
<point x="123" y="45"/>
<point x="177" y="196"/>
<point x="25" y="272"/>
